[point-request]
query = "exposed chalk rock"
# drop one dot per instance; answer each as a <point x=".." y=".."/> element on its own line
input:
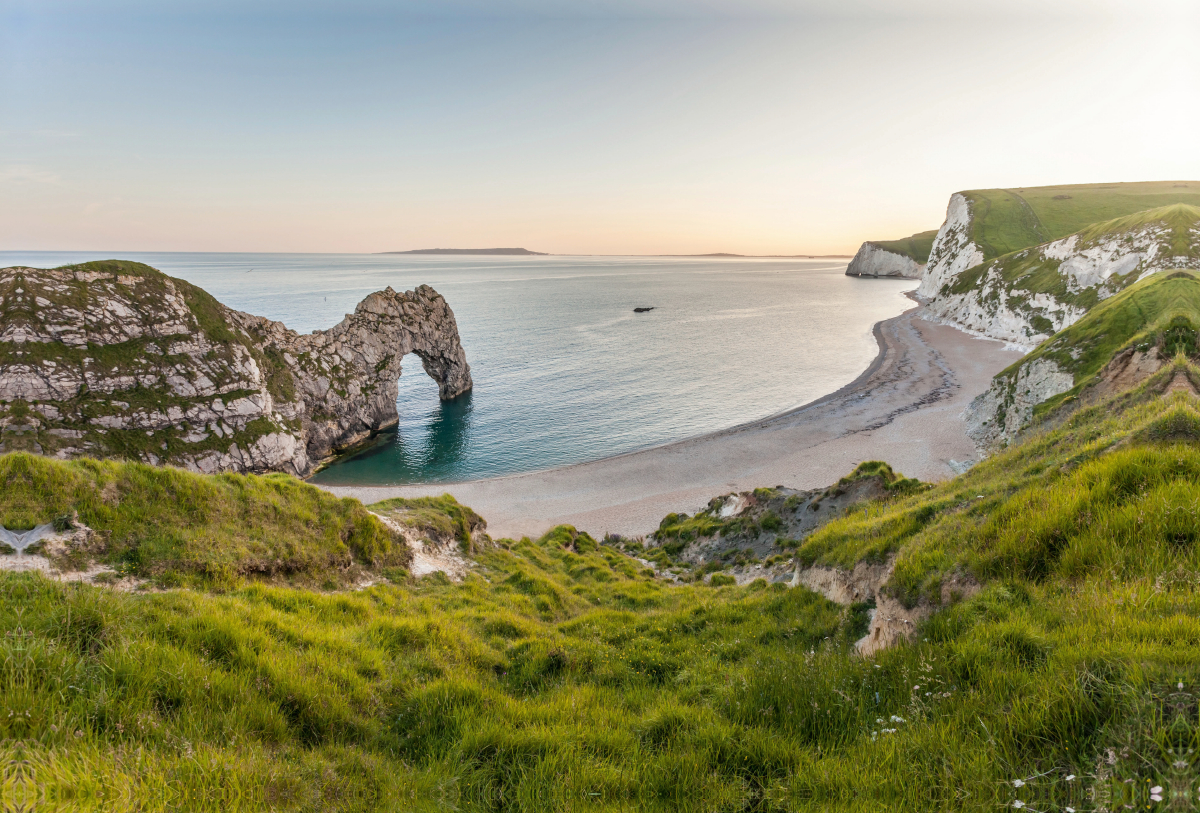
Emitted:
<point x="1026" y="296"/>
<point x="875" y="261"/>
<point x="953" y="249"/>
<point x="115" y="359"/>
<point x="995" y="416"/>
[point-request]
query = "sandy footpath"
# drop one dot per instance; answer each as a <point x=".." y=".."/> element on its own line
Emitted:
<point x="905" y="409"/>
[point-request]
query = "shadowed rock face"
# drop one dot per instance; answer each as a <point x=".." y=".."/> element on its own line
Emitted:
<point x="116" y="359"/>
<point x="347" y="376"/>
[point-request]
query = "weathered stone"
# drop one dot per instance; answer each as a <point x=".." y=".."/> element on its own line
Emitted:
<point x="136" y="364"/>
<point x="876" y="261"/>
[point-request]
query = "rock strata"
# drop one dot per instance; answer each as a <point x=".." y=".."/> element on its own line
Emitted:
<point x="116" y="359"/>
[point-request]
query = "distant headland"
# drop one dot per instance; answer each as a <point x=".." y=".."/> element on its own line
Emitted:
<point x="719" y="254"/>
<point x="522" y="252"/>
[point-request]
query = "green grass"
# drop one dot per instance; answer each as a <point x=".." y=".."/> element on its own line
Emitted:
<point x="561" y="675"/>
<point x="175" y="527"/>
<point x="438" y="518"/>
<point x="916" y="247"/>
<point x="892" y="481"/>
<point x="1162" y="311"/>
<point x="558" y="676"/>
<point x="1007" y="220"/>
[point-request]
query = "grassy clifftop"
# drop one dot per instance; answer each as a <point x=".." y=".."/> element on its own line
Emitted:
<point x="916" y="247"/>
<point x="1007" y="220"/>
<point x="174" y="527"/>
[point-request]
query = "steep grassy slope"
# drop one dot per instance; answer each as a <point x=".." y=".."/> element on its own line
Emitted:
<point x="1026" y="295"/>
<point x="560" y="675"/>
<point x="1007" y="220"/>
<point x="174" y="527"/>
<point x="564" y="674"/>
<point x="1118" y="342"/>
<point x="915" y="247"/>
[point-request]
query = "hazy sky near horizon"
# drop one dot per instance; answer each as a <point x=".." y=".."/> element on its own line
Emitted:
<point x="598" y="126"/>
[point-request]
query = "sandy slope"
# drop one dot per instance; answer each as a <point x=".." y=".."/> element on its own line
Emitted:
<point x="905" y="409"/>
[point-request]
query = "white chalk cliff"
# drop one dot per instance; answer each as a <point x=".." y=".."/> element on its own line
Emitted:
<point x="1025" y="297"/>
<point x="876" y="261"/>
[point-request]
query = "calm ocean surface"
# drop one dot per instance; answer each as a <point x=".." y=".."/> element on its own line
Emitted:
<point x="564" y="371"/>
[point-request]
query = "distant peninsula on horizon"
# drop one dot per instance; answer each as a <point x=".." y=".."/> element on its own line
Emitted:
<point x="764" y="256"/>
<point x="523" y="252"/>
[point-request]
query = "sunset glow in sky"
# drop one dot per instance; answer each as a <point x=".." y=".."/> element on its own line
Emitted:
<point x="594" y="127"/>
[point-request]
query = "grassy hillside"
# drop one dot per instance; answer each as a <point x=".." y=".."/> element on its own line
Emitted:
<point x="564" y="674"/>
<point x="1159" y="314"/>
<point x="176" y="528"/>
<point x="561" y="675"/>
<point x="1007" y="220"/>
<point x="916" y="247"/>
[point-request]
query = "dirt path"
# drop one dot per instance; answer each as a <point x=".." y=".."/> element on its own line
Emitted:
<point x="905" y="409"/>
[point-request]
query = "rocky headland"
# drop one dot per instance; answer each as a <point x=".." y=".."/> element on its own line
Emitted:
<point x="904" y="258"/>
<point x="1024" y="265"/>
<point x="874" y="261"/>
<point x="116" y="359"/>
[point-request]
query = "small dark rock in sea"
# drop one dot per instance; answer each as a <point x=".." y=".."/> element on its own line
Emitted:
<point x="642" y="310"/>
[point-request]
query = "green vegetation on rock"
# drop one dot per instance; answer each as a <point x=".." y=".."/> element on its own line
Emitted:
<point x="1055" y="664"/>
<point x="177" y="528"/>
<point x="1007" y="220"/>
<point x="916" y="247"/>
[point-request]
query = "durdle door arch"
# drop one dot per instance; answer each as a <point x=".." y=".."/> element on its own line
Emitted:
<point x="116" y="359"/>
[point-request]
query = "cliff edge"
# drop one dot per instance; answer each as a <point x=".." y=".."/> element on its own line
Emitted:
<point x="116" y="359"/>
<point x="904" y="258"/>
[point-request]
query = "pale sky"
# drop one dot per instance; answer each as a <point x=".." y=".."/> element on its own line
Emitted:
<point x="596" y="126"/>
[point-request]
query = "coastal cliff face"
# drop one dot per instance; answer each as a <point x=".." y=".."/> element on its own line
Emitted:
<point x="996" y="416"/>
<point x="1115" y="346"/>
<point x="953" y="249"/>
<point x="875" y="261"/>
<point x="1027" y="296"/>
<point x="116" y="359"/>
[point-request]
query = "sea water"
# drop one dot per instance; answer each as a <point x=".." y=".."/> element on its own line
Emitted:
<point x="564" y="370"/>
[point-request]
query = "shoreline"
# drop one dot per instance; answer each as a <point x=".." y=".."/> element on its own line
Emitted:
<point x="905" y="408"/>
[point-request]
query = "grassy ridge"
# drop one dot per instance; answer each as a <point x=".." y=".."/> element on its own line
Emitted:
<point x="916" y="247"/>
<point x="1007" y="220"/>
<point x="175" y="527"/>
<point x="1161" y="312"/>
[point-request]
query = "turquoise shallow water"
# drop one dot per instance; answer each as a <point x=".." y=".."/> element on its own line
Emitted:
<point x="564" y="371"/>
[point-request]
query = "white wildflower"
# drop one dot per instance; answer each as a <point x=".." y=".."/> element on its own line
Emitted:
<point x="1070" y="777"/>
<point x="1018" y="783"/>
<point x="1018" y="804"/>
